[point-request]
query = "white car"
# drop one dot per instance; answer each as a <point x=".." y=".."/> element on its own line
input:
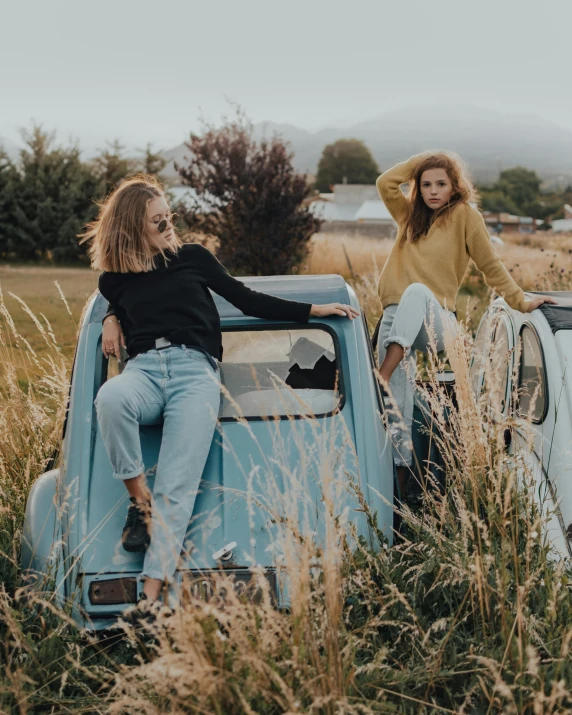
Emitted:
<point x="544" y="421"/>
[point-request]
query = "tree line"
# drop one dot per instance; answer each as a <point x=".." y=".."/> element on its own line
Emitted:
<point x="50" y="193"/>
<point x="246" y="194"/>
<point x="517" y="190"/>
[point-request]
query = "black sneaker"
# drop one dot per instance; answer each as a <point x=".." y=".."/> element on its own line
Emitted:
<point x="136" y="536"/>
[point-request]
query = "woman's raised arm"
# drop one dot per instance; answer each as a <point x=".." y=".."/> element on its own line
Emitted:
<point x="389" y="186"/>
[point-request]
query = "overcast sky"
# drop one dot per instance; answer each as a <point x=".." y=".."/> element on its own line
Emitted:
<point x="145" y="71"/>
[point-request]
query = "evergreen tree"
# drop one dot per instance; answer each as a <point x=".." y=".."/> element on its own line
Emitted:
<point x="111" y="166"/>
<point x="153" y="162"/>
<point x="55" y="199"/>
<point x="9" y="190"/>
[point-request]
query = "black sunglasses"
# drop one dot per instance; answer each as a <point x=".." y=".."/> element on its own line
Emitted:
<point x="163" y="223"/>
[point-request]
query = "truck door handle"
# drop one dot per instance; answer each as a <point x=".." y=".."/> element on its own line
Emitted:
<point x="225" y="554"/>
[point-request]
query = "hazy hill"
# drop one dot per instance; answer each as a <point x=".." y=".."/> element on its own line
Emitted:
<point x="486" y="139"/>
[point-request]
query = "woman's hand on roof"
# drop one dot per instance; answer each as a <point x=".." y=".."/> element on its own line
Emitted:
<point x="112" y="338"/>
<point x="321" y="311"/>
<point x="539" y="300"/>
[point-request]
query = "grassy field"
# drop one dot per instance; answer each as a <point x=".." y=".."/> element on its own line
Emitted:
<point x="536" y="262"/>
<point x="467" y="613"/>
<point x="37" y="288"/>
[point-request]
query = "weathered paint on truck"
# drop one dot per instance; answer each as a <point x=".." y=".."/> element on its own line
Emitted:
<point x="75" y="513"/>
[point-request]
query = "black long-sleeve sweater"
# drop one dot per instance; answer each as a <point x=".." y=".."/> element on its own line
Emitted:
<point x="173" y="301"/>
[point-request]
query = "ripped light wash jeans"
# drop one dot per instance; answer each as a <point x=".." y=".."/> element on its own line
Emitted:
<point x="406" y="323"/>
<point x="181" y="386"/>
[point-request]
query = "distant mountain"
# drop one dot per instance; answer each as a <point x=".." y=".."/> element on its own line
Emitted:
<point x="486" y="139"/>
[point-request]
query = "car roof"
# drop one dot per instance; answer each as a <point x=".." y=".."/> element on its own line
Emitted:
<point x="306" y="289"/>
<point x="559" y="316"/>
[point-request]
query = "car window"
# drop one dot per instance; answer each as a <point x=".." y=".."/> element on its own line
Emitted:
<point x="532" y="378"/>
<point x="279" y="373"/>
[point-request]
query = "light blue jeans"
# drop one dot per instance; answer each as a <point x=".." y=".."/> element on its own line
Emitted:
<point x="409" y="323"/>
<point x="181" y="386"/>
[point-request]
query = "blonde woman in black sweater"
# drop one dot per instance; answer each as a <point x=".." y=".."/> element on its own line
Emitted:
<point x="162" y="311"/>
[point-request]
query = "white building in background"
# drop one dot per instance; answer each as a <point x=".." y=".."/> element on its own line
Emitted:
<point x="374" y="211"/>
<point x="349" y="208"/>
<point x="354" y="207"/>
<point x="562" y="225"/>
<point x="188" y="197"/>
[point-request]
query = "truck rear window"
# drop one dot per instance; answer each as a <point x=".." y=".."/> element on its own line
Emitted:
<point x="282" y="372"/>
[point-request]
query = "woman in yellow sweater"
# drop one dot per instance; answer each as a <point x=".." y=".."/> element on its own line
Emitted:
<point x="438" y="232"/>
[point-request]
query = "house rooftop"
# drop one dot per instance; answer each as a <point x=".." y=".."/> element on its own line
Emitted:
<point x="355" y="193"/>
<point x="373" y="211"/>
<point x="351" y="203"/>
<point x="562" y="225"/>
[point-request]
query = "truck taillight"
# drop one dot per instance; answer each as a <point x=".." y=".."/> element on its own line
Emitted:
<point x="111" y="592"/>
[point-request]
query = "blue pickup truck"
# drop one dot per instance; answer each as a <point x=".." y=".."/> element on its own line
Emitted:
<point x="296" y="399"/>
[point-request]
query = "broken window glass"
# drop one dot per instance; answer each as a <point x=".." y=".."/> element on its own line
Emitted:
<point x="279" y="373"/>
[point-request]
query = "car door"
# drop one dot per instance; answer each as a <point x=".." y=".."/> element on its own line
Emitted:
<point x="534" y="430"/>
<point x="493" y="361"/>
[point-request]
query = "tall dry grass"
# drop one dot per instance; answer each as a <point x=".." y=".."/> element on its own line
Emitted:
<point x="539" y="261"/>
<point x="33" y="391"/>
<point x="466" y="613"/>
<point x="531" y="258"/>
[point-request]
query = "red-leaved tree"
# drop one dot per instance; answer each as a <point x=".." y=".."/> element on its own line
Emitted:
<point x="247" y="194"/>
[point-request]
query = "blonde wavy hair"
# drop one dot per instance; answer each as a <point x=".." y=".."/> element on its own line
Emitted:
<point x="421" y="216"/>
<point x="119" y="235"/>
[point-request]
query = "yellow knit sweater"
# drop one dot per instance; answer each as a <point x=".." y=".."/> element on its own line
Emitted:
<point x="439" y="260"/>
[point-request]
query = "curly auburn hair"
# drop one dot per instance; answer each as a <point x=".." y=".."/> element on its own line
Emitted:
<point x="421" y="217"/>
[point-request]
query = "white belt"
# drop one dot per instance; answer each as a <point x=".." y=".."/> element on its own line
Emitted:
<point x="162" y="343"/>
